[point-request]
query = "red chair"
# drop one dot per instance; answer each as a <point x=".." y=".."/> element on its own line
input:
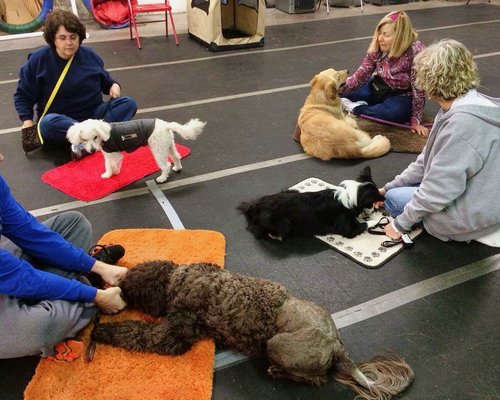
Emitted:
<point x="134" y="8"/>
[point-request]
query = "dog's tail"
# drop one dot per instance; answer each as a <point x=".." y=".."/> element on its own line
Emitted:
<point x="379" y="379"/>
<point x="379" y="146"/>
<point x="191" y="130"/>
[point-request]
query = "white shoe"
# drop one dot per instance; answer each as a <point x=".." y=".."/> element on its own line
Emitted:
<point x="349" y="105"/>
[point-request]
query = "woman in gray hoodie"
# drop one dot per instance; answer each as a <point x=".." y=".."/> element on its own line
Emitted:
<point x="453" y="187"/>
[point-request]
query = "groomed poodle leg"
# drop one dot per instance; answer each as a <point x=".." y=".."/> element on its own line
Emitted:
<point x="161" y="338"/>
<point x="300" y="356"/>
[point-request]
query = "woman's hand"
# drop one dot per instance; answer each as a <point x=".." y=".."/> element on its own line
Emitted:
<point x="111" y="274"/>
<point x="115" y="90"/>
<point x="420" y="129"/>
<point x="109" y="300"/>
<point x="391" y="232"/>
<point x="28" y="123"/>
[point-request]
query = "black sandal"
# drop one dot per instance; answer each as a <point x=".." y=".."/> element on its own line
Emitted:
<point x="108" y="253"/>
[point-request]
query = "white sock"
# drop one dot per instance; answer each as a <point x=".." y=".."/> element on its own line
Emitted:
<point x="349" y="105"/>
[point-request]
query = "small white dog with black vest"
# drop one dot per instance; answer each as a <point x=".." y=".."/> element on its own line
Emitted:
<point x="115" y="137"/>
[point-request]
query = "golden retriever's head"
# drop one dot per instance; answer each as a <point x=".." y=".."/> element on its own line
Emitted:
<point x="326" y="84"/>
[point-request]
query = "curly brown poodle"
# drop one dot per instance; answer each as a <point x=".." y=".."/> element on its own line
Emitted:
<point x="249" y="315"/>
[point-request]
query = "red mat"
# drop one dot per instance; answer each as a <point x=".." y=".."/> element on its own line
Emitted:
<point x="82" y="179"/>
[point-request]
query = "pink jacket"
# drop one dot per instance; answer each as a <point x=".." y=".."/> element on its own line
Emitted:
<point x="397" y="72"/>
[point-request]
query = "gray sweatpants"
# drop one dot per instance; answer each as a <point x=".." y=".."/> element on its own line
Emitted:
<point x="34" y="328"/>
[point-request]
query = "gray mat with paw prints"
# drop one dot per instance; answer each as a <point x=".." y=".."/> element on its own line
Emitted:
<point x="366" y="249"/>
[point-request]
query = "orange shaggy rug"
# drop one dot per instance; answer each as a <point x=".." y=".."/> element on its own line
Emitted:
<point x="117" y="374"/>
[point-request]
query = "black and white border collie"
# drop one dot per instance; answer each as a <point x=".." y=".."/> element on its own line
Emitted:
<point x="293" y="213"/>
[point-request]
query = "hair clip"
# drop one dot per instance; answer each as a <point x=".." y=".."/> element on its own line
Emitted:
<point x="394" y="16"/>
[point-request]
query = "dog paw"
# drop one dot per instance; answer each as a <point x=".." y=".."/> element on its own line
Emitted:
<point x="106" y="175"/>
<point x="177" y="168"/>
<point x="161" y="179"/>
<point x="380" y="138"/>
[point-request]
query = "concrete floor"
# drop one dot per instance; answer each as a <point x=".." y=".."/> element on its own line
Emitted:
<point x="446" y="324"/>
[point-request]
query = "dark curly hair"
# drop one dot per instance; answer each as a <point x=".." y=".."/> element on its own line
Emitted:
<point x="64" y="18"/>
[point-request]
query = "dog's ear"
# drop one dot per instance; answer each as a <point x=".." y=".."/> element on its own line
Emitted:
<point x="103" y="130"/>
<point x="314" y="81"/>
<point x="331" y="90"/>
<point x="365" y="175"/>
<point x="73" y="134"/>
<point x="368" y="194"/>
<point x="145" y="287"/>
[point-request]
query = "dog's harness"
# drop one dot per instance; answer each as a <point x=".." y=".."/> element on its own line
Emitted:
<point x="378" y="229"/>
<point x="129" y="136"/>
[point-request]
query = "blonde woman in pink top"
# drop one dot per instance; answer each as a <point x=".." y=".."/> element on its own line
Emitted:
<point x="384" y="85"/>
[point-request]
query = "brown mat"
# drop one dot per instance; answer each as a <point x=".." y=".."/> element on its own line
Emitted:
<point x="402" y="140"/>
<point x="117" y="374"/>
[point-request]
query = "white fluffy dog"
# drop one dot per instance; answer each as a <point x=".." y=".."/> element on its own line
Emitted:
<point x="112" y="138"/>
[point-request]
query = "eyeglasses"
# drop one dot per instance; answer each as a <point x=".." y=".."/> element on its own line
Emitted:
<point x="64" y="38"/>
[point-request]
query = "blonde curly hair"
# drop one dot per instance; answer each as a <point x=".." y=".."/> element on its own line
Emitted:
<point x="404" y="34"/>
<point x="446" y="70"/>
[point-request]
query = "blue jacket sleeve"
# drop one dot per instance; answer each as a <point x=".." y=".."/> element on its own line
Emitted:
<point x="26" y="94"/>
<point x="44" y="244"/>
<point x="106" y="79"/>
<point x="18" y="278"/>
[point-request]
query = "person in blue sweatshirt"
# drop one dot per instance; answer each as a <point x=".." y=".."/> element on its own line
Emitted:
<point x="44" y="295"/>
<point x="80" y="94"/>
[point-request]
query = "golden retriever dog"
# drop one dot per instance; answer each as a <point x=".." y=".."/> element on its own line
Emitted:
<point x="326" y="132"/>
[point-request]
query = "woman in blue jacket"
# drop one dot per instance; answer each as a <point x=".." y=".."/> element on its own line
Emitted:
<point x="44" y="297"/>
<point x="80" y="94"/>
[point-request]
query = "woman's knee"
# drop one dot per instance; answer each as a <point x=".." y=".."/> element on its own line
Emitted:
<point x="69" y="219"/>
<point x="77" y="218"/>
<point x="73" y="226"/>
<point x="397" y="198"/>
<point x="394" y="109"/>
<point x="122" y="109"/>
<point x="54" y="127"/>
<point x="61" y="320"/>
<point x="391" y="204"/>
<point x="130" y="103"/>
<point x="360" y="94"/>
<point x="35" y="330"/>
